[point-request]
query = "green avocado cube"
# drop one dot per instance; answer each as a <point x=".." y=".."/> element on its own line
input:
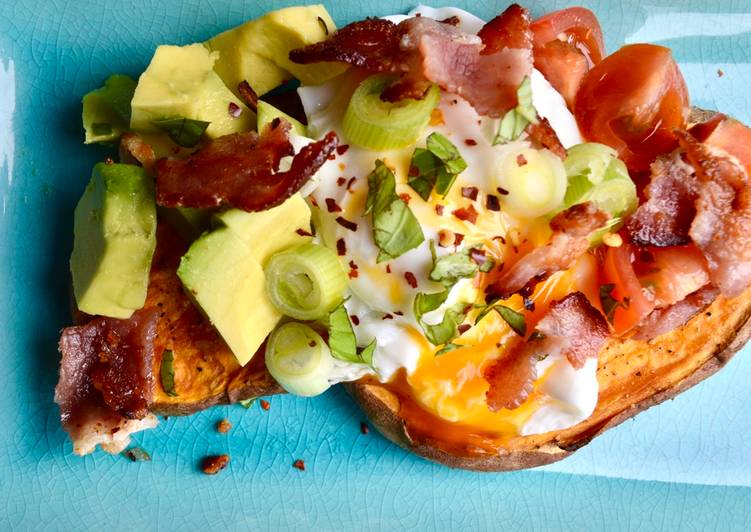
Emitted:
<point x="106" y="110"/>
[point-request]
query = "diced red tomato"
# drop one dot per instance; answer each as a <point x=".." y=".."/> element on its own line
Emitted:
<point x="671" y="273"/>
<point x="632" y="101"/>
<point x="632" y="305"/>
<point x="567" y="43"/>
<point x="728" y="134"/>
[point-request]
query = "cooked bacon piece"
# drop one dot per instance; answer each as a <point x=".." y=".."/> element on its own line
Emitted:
<point x="485" y="70"/>
<point x="572" y="328"/>
<point x="106" y="380"/>
<point x="722" y="226"/>
<point x="664" y="219"/>
<point x="544" y="134"/>
<point x="241" y="170"/>
<point x="134" y="149"/>
<point x="571" y="230"/>
<point x="663" y="320"/>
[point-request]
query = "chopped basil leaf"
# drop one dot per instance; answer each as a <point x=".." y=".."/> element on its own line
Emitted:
<point x="167" y="373"/>
<point x="514" y="319"/>
<point x="342" y="339"/>
<point x="442" y="148"/>
<point x="448" y="328"/>
<point x="515" y="121"/>
<point x="444" y="181"/>
<point x="447" y="348"/>
<point x="184" y="132"/>
<point x="423" y="172"/>
<point x="247" y="403"/>
<point x="448" y="269"/>
<point x="609" y="303"/>
<point x="136" y="454"/>
<point x="395" y="228"/>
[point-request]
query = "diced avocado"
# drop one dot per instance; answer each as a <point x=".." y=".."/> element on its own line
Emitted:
<point x="223" y="271"/>
<point x="115" y="236"/>
<point x="258" y="51"/>
<point x="106" y="110"/>
<point x="266" y="232"/>
<point x="180" y="82"/>
<point x="188" y="222"/>
<point x="267" y="113"/>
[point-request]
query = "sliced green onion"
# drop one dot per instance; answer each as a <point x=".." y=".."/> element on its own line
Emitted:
<point x="589" y="160"/>
<point x="306" y="281"/>
<point x="535" y="180"/>
<point x="524" y="104"/>
<point x="299" y="359"/>
<point x="378" y="125"/>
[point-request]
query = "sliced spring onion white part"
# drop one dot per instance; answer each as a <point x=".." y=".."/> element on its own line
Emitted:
<point x="378" y="125"/>
<point x="306" y="281"/>
<point x="535" y="181"/>
<point x="299" y="359"/>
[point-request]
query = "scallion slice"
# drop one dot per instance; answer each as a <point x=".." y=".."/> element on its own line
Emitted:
<point x="299" y="359"/>
<point x="535" y="180"/>
<point x="306" y="281"/>
<point x="378" y="125"/>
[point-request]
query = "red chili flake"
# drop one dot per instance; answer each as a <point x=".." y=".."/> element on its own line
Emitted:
<point x="342" y="149"/>
<point x="464" y="327"/>
<point x="469" y="192"/>
<point x="470" y="142"/>
<point x="399" y="313"/>
<point x="411" y="279"/>
<point x="248" y="95"/>
<point x="109" y="161"/>
<point x="265" y="404"/>
<point x="720" y="73"/>
<point x="466" y="309"/>
<point x="477" y="255"/>
<point x="492" y="203"/>
<point x="341" y="247"/>
<point x="458" y="239"/>
<point x="331" y="157"/>
<point x="364" y="429"/>
<point x="521" y="160"/>
<point x="211" y="465"/>
<point x="502" y="191"/>
<point x="405" y="197"/>
<point x="303" y="232"/>
<point x="353" y="273"/>
<point x="355" y="319"/>
<point x="351" y="182"/>
<point x="352" y="226"/>
<point x="332" y="206"/>
<point x="313" y="201"/>
<point x="234" y="110"/>
<point x="388" y="268"/>
<point x="468" y="215"/>
<point x="341" y="181"/>
<point x="387" y="316"/>
<point x="224" y="426"/>
<point x="299" y="464"/>
<point x="439" y="210"/>
<point x="502" y="240"/>
<point x="445" y="237"/>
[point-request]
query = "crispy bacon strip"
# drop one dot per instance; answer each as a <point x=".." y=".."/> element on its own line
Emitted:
<point x="106" y="384"/>
<point x="664" y="219"/>
<point x="663" y="320"/>
<point x="486" y="69"/>
<point x="571" y="230"/>
<point x="572" y="328"/>
<point x="721" y="228"/>
<point x="241" y="170"/>
<point x="134" y="149"/>
<point x="544" y="134"/>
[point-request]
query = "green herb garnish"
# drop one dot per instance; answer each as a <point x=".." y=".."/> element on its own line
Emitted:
<point x="136" y="454"/>
<point x="448" y="329"/>
<point x="514" y="319"/>
<point x="342" y="339"/>
<point x="395" y="228"/>
<point x="167" y="373"/>
<point x="447" y="348"/>
<point x="515" y="121"/>
<point x="442" y="148"/>
<point x="448" y="269"/>
<point x="247" y="403"/>
<point x="609" y="303"/>
<point x="436" y="166"/>
<point x="184" y="132"/>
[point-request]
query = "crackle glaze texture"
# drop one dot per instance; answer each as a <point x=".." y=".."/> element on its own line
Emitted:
<point x="682" y="465"/>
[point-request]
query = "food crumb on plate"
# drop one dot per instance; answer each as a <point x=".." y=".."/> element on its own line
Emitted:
<point x="223" y="426"/>
<point x="211" y="465"/>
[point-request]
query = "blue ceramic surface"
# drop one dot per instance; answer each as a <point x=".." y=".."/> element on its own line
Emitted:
<point x="683" y="465"/>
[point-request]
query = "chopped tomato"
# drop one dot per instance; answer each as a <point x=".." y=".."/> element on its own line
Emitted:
<point x="567" y="43"/>
<point x="627" y="304"/>
<point x="728" y="134"/>
<point x="672" y="273"/>
<point x="632" y="101"/>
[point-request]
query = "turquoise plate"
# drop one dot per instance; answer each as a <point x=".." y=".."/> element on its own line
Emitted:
<point x="684" y="464"/>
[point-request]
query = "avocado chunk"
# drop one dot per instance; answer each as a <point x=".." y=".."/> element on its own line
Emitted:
<point x="106" y="110"/>
<point x="114" y="241"/>
<point x="258" y="51"/>
<point x="223" y="271"/>
<point x="187" y="221"/>
<point x="267" y="113"/>
<point x="180" y="82"/>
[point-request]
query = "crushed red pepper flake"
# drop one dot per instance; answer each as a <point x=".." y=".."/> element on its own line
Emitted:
<point x="464" y="327"/>
<point x="405" y="197"/>
<point x="332" y="205"/>
<point x="265" y="404"/>
<point x="411" y="279"/>
<point x="351" y="182"/>
<point x="109" y="161"/>
<point x="500" y="238"/>
<point x="341" y="181"/>
<point x="223" y="426"/>
<point x="720" y="72"/>
<point x="342" y="149"/>
<point x="470" y="193"/>
<point x="387" y="316"/>
<point x="470" y="142"/>
<point x="521" y="160"/>
<point x="364" y="429"/>
<point x="399" y="313"/>
<point x="388" y="268"/>
<point x="468" y="214"/>
<point x="234" y="110"/>
<point x="353" y="273"/>
<point x="445" y="238"/>
<point x="299" y="464"/>
<point x="211" y="465"/>
<point x="352" y="226"/>
<point x="303" y="232"/>
<point x="492" y="203"/>
<point x="502" y="191"/>
<point x="313" y="201"/>
<point x="355" y="319"/>
<point x="341" y="247"/>
<point x="439" y="210"/>
<point x="458" y="239"/>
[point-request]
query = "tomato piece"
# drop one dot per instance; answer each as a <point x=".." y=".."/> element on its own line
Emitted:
<point x="726" y="133"/>
<point x="671" y="273"/>
<point x="632" y="305"/>
<point x="632" y="101"/>
<point x="567" y="43"/>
